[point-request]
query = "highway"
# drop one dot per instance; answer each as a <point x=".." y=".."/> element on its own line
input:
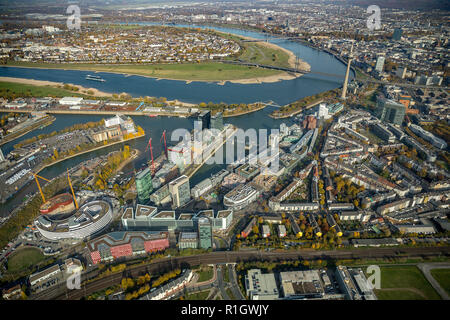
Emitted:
<point x="61" y="292"/>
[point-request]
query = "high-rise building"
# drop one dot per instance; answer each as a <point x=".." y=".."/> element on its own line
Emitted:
<point x="180" y="191"/>
<point x="2" y="157"/>
<point x="380" y="64"/>
<point x="401" y="72"/>
<point x="144" y="185"/>
<point x="397" y="34"/>
<point x="204" y="233"/>
<point x="217" y="121"/>
<point x="390" y="111"/>
<point x="205" y="118"/>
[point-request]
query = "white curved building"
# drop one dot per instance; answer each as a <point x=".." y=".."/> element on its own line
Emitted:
<point x="240" y="197"/>
<point x="91" y="218"/>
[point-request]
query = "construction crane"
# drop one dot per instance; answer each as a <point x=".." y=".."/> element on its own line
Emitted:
<point x="149" y="145"/>
<point x="165" y="145"/>
<point x="39" y="186"/>
<point x="71" y="188"/>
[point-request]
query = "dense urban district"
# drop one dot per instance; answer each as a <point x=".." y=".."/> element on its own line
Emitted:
<point x="362" y="178"/>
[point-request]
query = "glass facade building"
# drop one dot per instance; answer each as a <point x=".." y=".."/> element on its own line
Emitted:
<point x="205" y="233"/>
<point x="144" y="185"/>
<point x="390" y="111"/>
<point x="217" y="121"/>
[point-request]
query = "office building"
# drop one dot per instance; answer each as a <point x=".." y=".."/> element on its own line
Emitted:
<point x="204" y="233"/>
<point x="161" y="196"/>
<point x="397" y="34"/>
<point x="401" y="72"/>
<point x="390" y="111"/>
<point x="148" y="218"/>
<point x="124" y="244"/>
<point x="261" y="286"/>
<point x="382" y="132"/>
<point x="144" y="185"/>
<point x="205" y="118"/>
<point x="217" y="121"/>
<point x="380" y="64"/>
<point x="354" y="284"/>
<point x="188" y="240"/>
<point x="428" y="136"/>
<point x="180" y="191"/>
<point x="301" y="284"/>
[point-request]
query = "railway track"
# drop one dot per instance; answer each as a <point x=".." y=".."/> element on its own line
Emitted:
<point x="62" y="293"/>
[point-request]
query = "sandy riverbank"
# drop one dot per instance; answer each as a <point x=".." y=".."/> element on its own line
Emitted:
<point x="277" y="77"/>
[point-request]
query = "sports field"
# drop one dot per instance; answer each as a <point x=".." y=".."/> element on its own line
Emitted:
<point x="24" y="258"/>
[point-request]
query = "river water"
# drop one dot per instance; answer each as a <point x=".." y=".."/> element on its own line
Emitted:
<point x="282" y="92"/>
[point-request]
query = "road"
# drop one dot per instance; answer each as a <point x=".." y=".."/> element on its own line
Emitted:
<point x="234" y="283"/>
<point x="163" y="265"/>
<point x="220" y="283"/>
<point x="426" y="268"/>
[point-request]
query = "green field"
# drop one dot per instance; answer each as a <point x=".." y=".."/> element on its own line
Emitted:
<point x="9" y="89"/>
<point x="205" y="274"/>
<point x="442" y="276"/>
<point x="202" y="295"/>
<point x="24" y="258"/>
<point x="205" y="71"/>
<point x="255" y="52"/>
<point x="404" y="283"/>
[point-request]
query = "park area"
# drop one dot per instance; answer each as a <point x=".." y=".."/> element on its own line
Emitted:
<point x="442" y="276"/>
<point x="404" y="283"/>
<point x="24" y="258"/>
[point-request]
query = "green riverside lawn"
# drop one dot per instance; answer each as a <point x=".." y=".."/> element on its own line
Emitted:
<point x="205" y="71"/>
<point x="9" y="89"/>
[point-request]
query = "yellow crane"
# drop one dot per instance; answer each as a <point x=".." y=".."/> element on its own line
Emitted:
<point x="71" y="188"/>
<point x="39" y="186"/>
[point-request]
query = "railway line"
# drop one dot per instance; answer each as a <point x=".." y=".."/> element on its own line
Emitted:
<point x="60" y="292"/>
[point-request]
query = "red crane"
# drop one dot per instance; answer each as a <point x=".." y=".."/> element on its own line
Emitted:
<point x="151" y="154"/>
<point x="165" y="145"/>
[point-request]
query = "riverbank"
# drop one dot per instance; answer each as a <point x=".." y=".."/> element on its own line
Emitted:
<point x="81" y="90"/>
<point x="205" y="71"/>
<point x="87" y="151"/>
<point x="245" y="112"/>
<point x="47" y="120"/>
<point x="309" y="106"/>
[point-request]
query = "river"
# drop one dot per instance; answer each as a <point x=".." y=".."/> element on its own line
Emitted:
<point x="282" y="92"/>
